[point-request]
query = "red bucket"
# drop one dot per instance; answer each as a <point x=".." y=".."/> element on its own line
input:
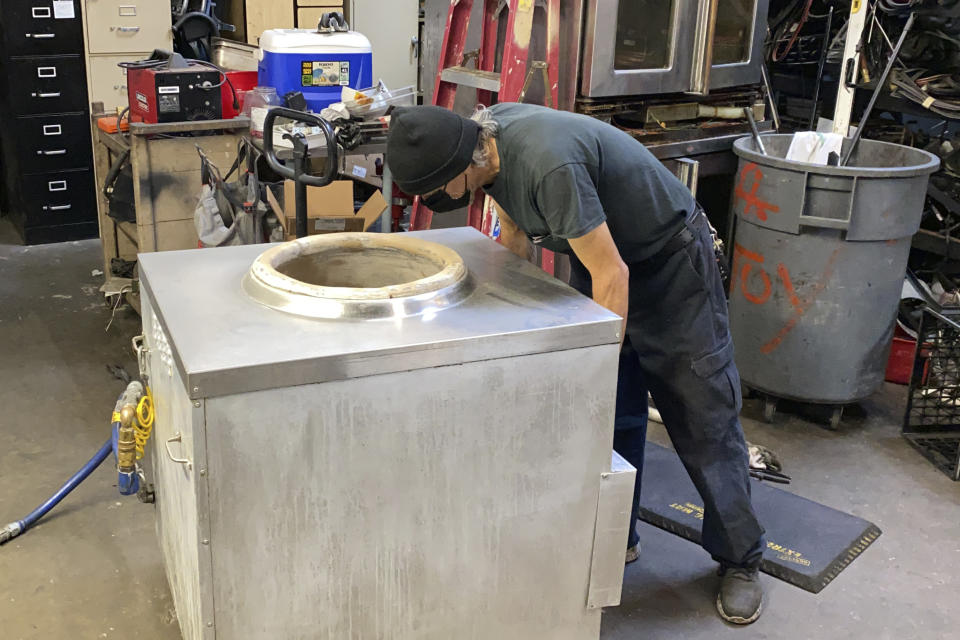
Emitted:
<point x="900" y="364"/>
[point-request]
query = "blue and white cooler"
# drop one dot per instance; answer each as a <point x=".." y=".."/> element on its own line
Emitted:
<point x="316" y="63"/>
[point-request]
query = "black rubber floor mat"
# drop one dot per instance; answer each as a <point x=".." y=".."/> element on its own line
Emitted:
<point x="808" y="544"/>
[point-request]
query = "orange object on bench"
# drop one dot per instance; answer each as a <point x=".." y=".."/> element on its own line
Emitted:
<point x="109" y="124"/>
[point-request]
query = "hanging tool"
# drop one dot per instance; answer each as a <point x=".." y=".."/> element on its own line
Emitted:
<point x="881" y="85"/>
<point x="825" y="47"/>
<point x="753" y="128"/>
<point x="301" y="154"/>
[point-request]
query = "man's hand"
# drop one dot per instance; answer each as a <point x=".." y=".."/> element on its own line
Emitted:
<point x="512" y="237"/>
<point x="609" y="273"/>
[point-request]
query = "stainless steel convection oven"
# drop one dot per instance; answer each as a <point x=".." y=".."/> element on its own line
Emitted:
<point x="648" y="47"/>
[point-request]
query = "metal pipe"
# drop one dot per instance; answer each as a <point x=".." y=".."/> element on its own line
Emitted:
<point x="753" y="128"/>
<point x="126" y="449"/>
<point x="300" y="198"/>
<point x="881" y="82"/>
<point x="386" y="220"/>
<point x="886" y="38"/>
<point x="820" y="66"/>
<point x="765" y="74"/>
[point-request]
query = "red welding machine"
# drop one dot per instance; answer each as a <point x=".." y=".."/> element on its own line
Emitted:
<point x="168" y="88"/>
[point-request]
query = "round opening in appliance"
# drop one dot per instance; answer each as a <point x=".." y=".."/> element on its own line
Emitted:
<point x="361" y="268"/>
<point x="363" y="275"/>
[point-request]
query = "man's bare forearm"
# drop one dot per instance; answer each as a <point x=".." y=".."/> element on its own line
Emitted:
<point x="519" y="244"/>
<point x="608" y="272"/>
<point x="612" y="292"/>
<point x="512" y="237"/>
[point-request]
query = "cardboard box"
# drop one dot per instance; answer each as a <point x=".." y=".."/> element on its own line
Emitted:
<point x="362" y="168"/>
<point x="335" y="199"/>
<point x="324" y="225"/>
<point x="330" y="209"/>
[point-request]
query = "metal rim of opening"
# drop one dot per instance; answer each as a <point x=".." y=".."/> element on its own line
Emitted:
<point x="447" y="287"/>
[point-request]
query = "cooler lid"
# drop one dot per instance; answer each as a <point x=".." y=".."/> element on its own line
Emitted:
<point x="303" y="41"/>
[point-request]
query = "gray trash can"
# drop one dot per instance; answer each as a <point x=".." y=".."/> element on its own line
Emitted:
<point x="818" y="265"/>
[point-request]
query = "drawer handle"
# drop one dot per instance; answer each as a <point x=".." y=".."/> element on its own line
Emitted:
<point x="125" y="29"/>
<point x="46" y="72"/>
<point x="52" y="130"/>
<point x="55" y="94"/>
<point x="57" y="207"/>
<point x="176" y="438"/>
<point x="57" y="185"/>
<point x="41" y="36"/>
<point x="40" y="12"/>
<point x="52" y="152"/>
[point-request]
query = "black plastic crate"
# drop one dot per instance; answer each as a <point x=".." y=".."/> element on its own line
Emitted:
<point x="932" y="420"/>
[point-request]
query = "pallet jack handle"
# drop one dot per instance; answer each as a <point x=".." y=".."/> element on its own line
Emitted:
<point x="300" y="155"/>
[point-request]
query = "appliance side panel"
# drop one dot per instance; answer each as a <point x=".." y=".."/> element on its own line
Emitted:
<point x="571" y="45"/>
<point x="613" y="527"/>
<point x="453" y="502"/>
<point x="175" y="483"/>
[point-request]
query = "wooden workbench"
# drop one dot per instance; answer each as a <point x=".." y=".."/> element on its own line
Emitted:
<point x="166" y="182"/>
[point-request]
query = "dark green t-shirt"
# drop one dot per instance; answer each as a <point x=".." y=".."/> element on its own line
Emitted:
<point x="563" y="174"/>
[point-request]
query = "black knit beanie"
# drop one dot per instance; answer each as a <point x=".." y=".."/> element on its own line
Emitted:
<point x="427" y="147"/>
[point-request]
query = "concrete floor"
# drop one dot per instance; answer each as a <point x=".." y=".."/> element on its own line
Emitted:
<point x="92" y="569"/>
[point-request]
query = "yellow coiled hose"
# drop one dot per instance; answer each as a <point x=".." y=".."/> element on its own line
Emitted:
<point x="143" y="425"/>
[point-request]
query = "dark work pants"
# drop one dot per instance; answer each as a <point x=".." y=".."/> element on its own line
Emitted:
<point x="678" y="346"/>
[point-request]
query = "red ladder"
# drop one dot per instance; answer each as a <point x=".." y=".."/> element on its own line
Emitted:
<point x="510" y="83"/>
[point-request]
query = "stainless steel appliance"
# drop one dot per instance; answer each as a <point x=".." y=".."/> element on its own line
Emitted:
<point x="644" y="47"/>
<point x="403" y="436"/>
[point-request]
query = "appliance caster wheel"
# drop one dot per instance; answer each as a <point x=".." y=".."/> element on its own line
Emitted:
<point x="769" y="408"/>
<point x="835" y="418"/>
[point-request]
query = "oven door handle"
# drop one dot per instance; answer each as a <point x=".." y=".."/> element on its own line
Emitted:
<point x="703" y="47"/>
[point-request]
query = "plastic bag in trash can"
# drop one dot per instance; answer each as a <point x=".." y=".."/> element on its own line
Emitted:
<point x="813" y="147"/>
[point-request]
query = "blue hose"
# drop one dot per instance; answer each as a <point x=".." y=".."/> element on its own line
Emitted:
<point x="16" y="528"/>
<point x="128" y="482"/>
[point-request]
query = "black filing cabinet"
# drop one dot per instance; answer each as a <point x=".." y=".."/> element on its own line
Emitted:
<point x="47" y="157"/>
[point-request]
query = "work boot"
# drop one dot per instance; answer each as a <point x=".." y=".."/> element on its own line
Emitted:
<point x="741" y="596"/>
<point x="633" y="554"/>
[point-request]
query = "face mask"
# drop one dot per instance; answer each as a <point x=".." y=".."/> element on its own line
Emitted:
<point x="442" y="202"/>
